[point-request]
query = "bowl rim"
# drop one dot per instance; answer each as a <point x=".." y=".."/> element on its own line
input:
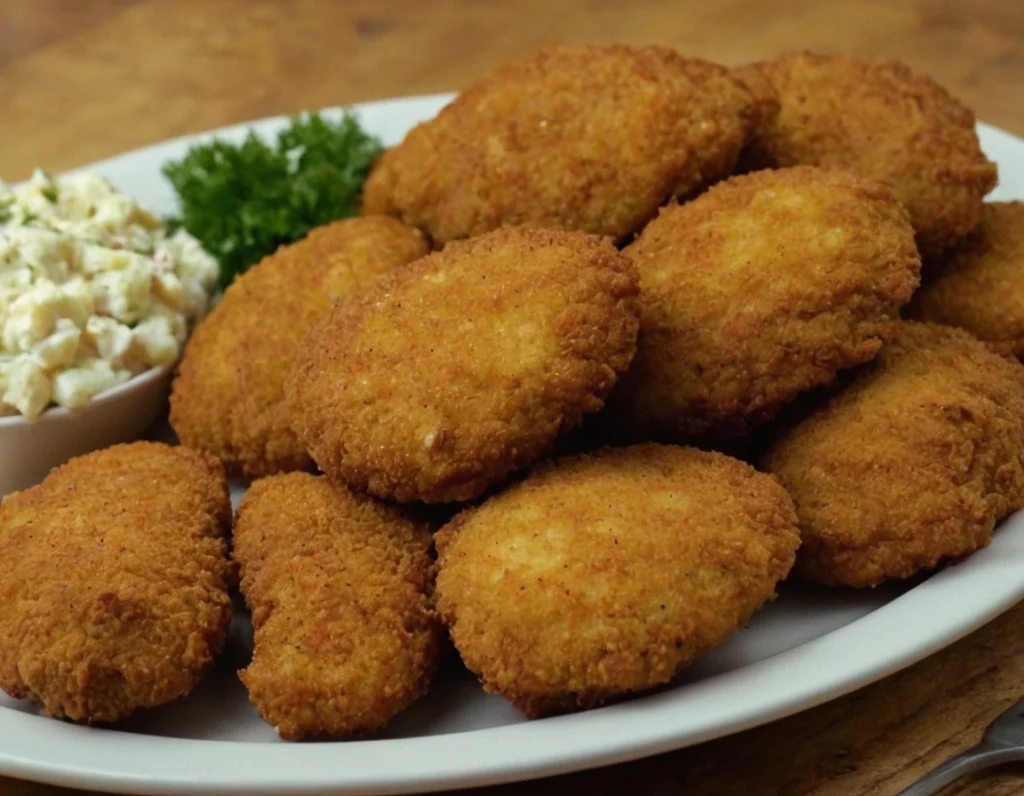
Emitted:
<point x="60" y="413"/>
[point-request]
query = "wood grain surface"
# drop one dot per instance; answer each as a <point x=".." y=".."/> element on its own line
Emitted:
<point x="85" y="79"/>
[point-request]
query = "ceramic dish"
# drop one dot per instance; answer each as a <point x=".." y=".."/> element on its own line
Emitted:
<point x="810" y="646"/>
<point x="29" y="449"/>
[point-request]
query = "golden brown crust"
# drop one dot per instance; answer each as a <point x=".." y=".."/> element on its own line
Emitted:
<point x="766" y="106"/>
<point x="446" y="377"/>
<point x="591" y="137"/>
<point x="228" y="393"/>
<point x="979" y="285"/>
<point x="605" y="574"/>
<point x="910" y="465"/>
<point x="113" y="581"/>
<point x="763" y="287"/>
<point x="340" y="589"/>
<point x="884" y="121"/>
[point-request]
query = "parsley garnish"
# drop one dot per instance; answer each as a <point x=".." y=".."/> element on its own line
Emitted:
<point x="49" y="192"/>
<point x="244" y="201"/>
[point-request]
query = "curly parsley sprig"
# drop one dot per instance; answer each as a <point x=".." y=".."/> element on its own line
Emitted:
<point x="244" y="201"/>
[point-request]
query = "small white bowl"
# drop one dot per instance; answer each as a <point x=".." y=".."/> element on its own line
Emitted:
<point x="29" y="449"/>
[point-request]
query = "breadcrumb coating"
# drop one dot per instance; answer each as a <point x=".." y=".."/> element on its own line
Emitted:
<point x="586" y="137"/>
<point x="603" y="575"/>
<point x="463" y="368"/>
<point x="114" y="578"/>
<point x="979" y="285"/>
<point x="882" y="120"/>
<point x="909" y="466"/>
<point x="340" y="589"/>
<point x="765" y="286"/>
<point x="227" y="397"/>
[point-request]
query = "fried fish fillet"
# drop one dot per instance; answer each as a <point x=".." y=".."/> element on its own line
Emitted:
<point x="441" y="380"/>
<point x="603" y="575"/>
<point x="763" y="287"/>
<point x="113" y="581"/>
<point x="979" y="285"/>
<point x="227" y="397"/>
<point x="909" y="466"/>
<point x="879" y="119"/>
<point x="340" y="589"/>
<point x="592" y="138"/>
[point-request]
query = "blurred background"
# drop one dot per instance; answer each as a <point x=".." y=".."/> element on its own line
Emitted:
<point x="83" y="80"/>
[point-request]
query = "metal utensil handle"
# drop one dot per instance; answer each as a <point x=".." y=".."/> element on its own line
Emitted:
<point x="974" y="759"/>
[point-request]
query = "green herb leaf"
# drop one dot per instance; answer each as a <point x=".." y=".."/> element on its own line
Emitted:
<point x="244" y="201"/>
<point x="49" y="192"/>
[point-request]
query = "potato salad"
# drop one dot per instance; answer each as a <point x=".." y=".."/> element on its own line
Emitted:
<point x="93" y="291"/>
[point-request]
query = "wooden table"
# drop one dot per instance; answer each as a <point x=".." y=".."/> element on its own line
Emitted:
<point x="83" y="80"/>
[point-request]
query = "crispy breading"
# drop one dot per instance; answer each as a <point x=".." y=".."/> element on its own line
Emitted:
<point x="113" y="581"/>
<point x="227" y="397"/>
<point x="979" y="285"/>
<point x="879" y="119"/>
<point x="340" y="589"/>
<point x="763" y="287"/>
<point x="909" y="466"/>
<point x="447" y="376"/>
<point x="605" y="574"/>
<point x="591" y="137"/>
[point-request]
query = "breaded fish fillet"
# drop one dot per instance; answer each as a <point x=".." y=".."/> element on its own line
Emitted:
<point x="979" y="285"/>
<point x="909" y="466"/>
<point x="591" y="137"/>
<point x="447" y="376"/>
<point x="605" y="574"/>
<point x="113" y="581"/>
<point x="340" y="589"/>
<point x="881" y="120"/>
<point x="763" y="287"/>
<point x="227" y="396"/>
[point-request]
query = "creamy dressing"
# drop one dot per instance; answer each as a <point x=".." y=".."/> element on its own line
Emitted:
<point x="93" y="291"/>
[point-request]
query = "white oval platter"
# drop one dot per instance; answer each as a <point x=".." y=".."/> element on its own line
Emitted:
<point x="810" y="646"/>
